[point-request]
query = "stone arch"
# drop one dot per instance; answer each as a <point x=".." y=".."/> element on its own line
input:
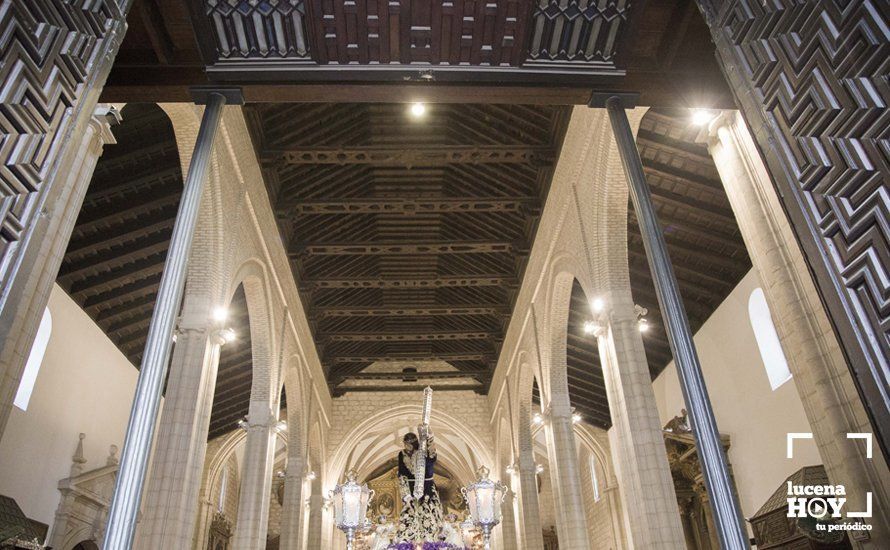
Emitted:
<point x="377" y="439"/>
<point x="252" y="275"/>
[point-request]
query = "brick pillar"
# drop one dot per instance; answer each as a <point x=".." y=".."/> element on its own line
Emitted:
<point x="168" y="517"/>
<point x="814" y="355"/>
<point x="508" y="523"/>
<point x="316" y="516"/>
<point x="292" y="508"/>
<point x="566" y="479"/>
<point x="256" y="480"/>
<point x="636" y="439"/>
<point x="529" y="511"/>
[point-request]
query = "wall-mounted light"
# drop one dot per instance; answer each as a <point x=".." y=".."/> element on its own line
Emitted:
<point x="280" y="426"/>
<point x="539" y="469"/>
<point x="641" y="313"/>
<point x="511" y="469"/>
<point x="700" y="117"/>
<point x="220" y="314"/>
<point x="310" y="475"/>
<point x="243" y="424"/>
<point x="418" y="110"/>
<point x="228" y="335"/>
<point x="576" y="418"/>
<point x="538" y="419"/>
<point x="598" y="305"/>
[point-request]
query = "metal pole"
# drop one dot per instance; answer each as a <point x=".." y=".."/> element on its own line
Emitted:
<point x="140" y="430"/>
<point x="727" y="515"/>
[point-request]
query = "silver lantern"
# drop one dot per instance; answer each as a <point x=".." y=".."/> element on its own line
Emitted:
<point x="350" y="501"/>
<point x="484" y="498"/>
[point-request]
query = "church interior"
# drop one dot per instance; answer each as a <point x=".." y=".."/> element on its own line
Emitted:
<point x="622" y="269"/>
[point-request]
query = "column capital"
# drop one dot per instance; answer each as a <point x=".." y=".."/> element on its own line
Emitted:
<point x="104" y="117"/>
<point x="709" y="134"/>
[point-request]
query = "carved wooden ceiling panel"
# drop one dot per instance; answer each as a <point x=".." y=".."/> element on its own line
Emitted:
<point x="408" y="236"/>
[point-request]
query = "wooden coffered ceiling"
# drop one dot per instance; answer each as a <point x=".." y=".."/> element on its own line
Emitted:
<point x="407" y="235"/>
<point x="508" y="51"/>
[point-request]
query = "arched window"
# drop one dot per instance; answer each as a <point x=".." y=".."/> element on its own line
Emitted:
<point x="223" y="487"/>
<point x="768" y="340"/>
<point x="35" y="358"/>
<point x="593" y="479"/>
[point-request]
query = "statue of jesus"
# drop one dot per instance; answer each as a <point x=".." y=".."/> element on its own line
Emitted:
<point x="421" y="518"/>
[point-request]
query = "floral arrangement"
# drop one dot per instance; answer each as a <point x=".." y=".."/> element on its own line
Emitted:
<point x="426" y="546"/>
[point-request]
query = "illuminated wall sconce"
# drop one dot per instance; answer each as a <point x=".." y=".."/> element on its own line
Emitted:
<point x="538" y="419"/>
<point x="539" y="469"/>
<point x="576" y="418"/>
<point x="310" y="476"/>
<point x="243" y="424"/>
<point x="280" y="426"/>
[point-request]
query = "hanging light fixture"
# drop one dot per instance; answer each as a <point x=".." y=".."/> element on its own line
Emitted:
<point x="350" y="501"/>
<point x="484" y="498"/>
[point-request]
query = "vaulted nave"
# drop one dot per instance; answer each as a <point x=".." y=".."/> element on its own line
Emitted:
<point x="447" y="275"/>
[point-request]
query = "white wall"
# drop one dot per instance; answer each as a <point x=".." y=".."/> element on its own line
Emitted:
<point x="747" y="409"/>
<point x="84" y="385"/>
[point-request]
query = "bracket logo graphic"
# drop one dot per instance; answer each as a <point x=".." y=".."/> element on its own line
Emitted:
<point x="826" y="502"/>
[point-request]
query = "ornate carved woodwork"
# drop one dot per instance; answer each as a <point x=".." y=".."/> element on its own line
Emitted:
<point x="220" y="532"/>
<point x="429" y="156"/>
<point x="49" y="50"/>
<point x="692" y="496"/>
<point x="810" y="78"/>
<point x="505" y="35"/>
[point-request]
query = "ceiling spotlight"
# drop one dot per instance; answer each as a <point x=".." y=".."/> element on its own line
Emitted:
<point x="576" y="418"/>
<point x="643" y="324"/>
<point x="597" y="305"/>
<point x="538" y="419"/>
<point x="220" y="314"/>
<point x="243" y="424"/>
<point x="700" y="117"/>
<point x="228" y="335"/>
<point x="418" y="110"/>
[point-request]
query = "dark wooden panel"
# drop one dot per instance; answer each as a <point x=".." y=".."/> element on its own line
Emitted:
<point x="811" y="78"/>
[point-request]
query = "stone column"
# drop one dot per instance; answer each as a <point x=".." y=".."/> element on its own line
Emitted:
<point x="51" y="140"/>
<point x="508" y="523"/>
<point x="820" y="372"/>
<point x="572" y="527"/>
<point x="256" y="481"/>
<point x="168" y="512"/>
<point x="22" y="311"/>
<point x="529" y="511"/>
<point x="292" y="508"/>
<point x="636" y="440"/>
<point x="316" y="516"/>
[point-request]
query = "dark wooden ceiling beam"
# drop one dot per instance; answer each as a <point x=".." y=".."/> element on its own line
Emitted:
<point x="78" y="247"/>
<point x="386" y="249"/>
<point x="156" y="30"/>
<point x="107" y="217"/>
<point x="412" y="282"/>
<point x="418" y="357"/>
<point x="443" y="310"/>
<point x="416" y="375"/>
<point x="701" y="208"/>
<point x="413" y="156"/>
<point x="406" y="336"/>
<point x="678" y="246"/>
<point x="406" y="206"/>
<point x="478" y="388"/>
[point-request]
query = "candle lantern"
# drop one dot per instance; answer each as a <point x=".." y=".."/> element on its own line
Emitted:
<point x="350" y="501"/>
<point x="484" y="498"/>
